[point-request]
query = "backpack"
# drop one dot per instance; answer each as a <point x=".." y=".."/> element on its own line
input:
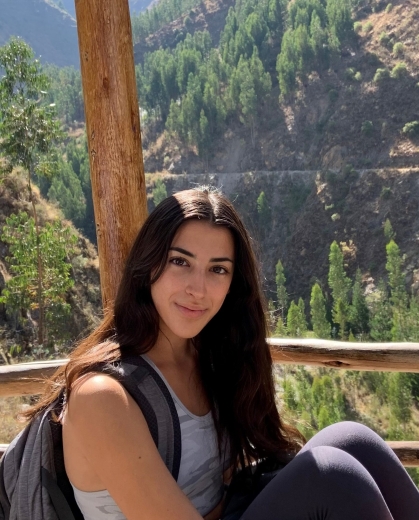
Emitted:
<point x="33" y="481"/>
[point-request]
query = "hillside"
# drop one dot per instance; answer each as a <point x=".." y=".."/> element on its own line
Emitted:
<point x="209" y="15"/>
<point x="50" y="31"/>
<point x="339" y="115"/>
<point x="84" y="298"/>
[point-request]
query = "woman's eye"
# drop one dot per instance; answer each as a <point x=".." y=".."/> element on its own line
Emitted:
<point x="178" y="261"/>
<point x="218" y="269"/>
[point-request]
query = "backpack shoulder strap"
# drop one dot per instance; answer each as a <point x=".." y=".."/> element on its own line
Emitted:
<point x="151" y="394"/>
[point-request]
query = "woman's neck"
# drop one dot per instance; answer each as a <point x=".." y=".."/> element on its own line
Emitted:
<point x="172" y="351"/>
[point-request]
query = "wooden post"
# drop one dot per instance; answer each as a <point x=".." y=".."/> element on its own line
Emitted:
<point x="113" y="133"/>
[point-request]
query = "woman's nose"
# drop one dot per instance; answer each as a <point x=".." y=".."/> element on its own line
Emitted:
<point x="196" y="285"/>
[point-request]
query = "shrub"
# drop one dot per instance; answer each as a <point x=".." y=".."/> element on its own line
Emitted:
<point x="368" y="27"/>
<point x="381" y="75"/>
<point x="358" y="76"/>
<point x="330" y="177"/>
<point x="411" y="129"/>
<point x="333" y="95"/>
<point x="372" y="59"/>
<point x="384" y="39"/>
<point x="358" y="27"/>
<point x="350" y="73"/>
<point x="398" y="49"/>
<point x="385" y="192"/>
<point x="187" y="22"/>
<point x="399" y="70"/>
<point x="389" y="7"/>
<point x="367" y="127"/>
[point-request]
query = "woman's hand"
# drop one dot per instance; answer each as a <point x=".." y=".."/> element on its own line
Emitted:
<point x="104" y="425"/>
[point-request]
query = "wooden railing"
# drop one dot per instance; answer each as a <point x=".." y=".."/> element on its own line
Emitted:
<point x="27" y="378"/>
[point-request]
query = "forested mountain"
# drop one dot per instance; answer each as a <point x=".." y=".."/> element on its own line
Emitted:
<point x="50" y="31"/>
<point x="298" y="85"/>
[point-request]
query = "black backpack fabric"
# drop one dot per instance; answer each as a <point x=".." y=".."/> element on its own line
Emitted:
<point x="33" y="481"/>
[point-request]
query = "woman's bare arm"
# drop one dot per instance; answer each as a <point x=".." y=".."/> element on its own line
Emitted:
<point x="111" y="431"/>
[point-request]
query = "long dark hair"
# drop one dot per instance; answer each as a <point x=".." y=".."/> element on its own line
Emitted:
<point x="233" y="355"/>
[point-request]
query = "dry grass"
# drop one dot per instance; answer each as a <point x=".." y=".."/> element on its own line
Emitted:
<point x="10" y="426"/>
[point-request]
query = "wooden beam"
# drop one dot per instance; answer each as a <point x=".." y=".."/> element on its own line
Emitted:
<point x="113" y="133"/>
<point x="389" y="357"/>
<point x="406" y="451"/>
<point x="21" y="379"/>
<point x="26" y="378"/>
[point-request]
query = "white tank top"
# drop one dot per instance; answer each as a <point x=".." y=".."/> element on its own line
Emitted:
<point x="200" y="473"/>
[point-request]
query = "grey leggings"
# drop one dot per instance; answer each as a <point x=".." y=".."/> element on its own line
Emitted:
<point x="345" y="472"/>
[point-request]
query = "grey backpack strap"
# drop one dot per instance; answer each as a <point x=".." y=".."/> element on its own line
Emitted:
<point x="151" y="394"/>
<point x="57" y="497"/>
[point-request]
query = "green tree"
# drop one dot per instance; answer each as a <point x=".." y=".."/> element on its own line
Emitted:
<point x="302" y="321"/>
<point x="292" y="320"/>
<point x="398" y="293"/>
<point x="66" y="190"/>
<point x="358" y="312"/>
<point x="281" y="291"/>
<point x="22" y="290"/>
<point x="321" y="326"/>
<point x="340" y="285"/>
<point x="28" y="129"/>
<point x="264" y="211"/>
<point x="388" y="231"/>
<point x="380" y="314"/>
<point x="159" y="192"/>
<point x="296" y="320"/>
<point x="400" y="398"/>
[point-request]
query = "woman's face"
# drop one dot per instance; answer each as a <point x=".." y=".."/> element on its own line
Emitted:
<point x="196" y="279"/>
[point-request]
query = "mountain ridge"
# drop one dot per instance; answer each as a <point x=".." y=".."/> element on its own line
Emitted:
<point x="49" y="30"/>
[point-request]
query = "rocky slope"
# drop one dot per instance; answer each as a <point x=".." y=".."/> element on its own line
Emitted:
<point x="310" y="209"/>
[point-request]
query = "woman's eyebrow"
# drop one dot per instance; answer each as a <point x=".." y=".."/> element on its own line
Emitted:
<point x="187" y="253"/>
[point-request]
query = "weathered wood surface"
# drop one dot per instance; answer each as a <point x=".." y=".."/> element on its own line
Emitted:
<point x="389" y="357"/>
<point x="402" y="357"/>
<point x="113" y="133"/>
<point x="26" y="378"/>
<point x="407" y="452"/>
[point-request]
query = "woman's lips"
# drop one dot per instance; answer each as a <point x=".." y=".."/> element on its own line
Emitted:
<point x="190" y="313"/>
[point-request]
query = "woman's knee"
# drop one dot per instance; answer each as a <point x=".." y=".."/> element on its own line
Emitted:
<point x="321" y="482"/>
<point x="346" y="436"/>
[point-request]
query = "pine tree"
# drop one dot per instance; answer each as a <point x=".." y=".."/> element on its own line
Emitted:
<point x="339" y="282"/>
<point x="159" y="191"/>
<point x="340" y="285"/>
<point x="321" y="327"/>
<point x="400" y="398"/>
<point x="281" y="291"/>
<point x="398" y="293"/>
<point x="296" y="320"/>
<point x="302" y="321"/>
<point x="22" y="290"/>
<point x="264" y="211"/>
<point x="358" y="312"/>
<point x="388" y="231"/>
<point x="293" y="320"/>
<point x="380" y="314"/>
<point x="340" y="316"/>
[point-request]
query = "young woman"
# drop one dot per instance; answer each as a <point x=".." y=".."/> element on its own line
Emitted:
<point x="190" y="303"/>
